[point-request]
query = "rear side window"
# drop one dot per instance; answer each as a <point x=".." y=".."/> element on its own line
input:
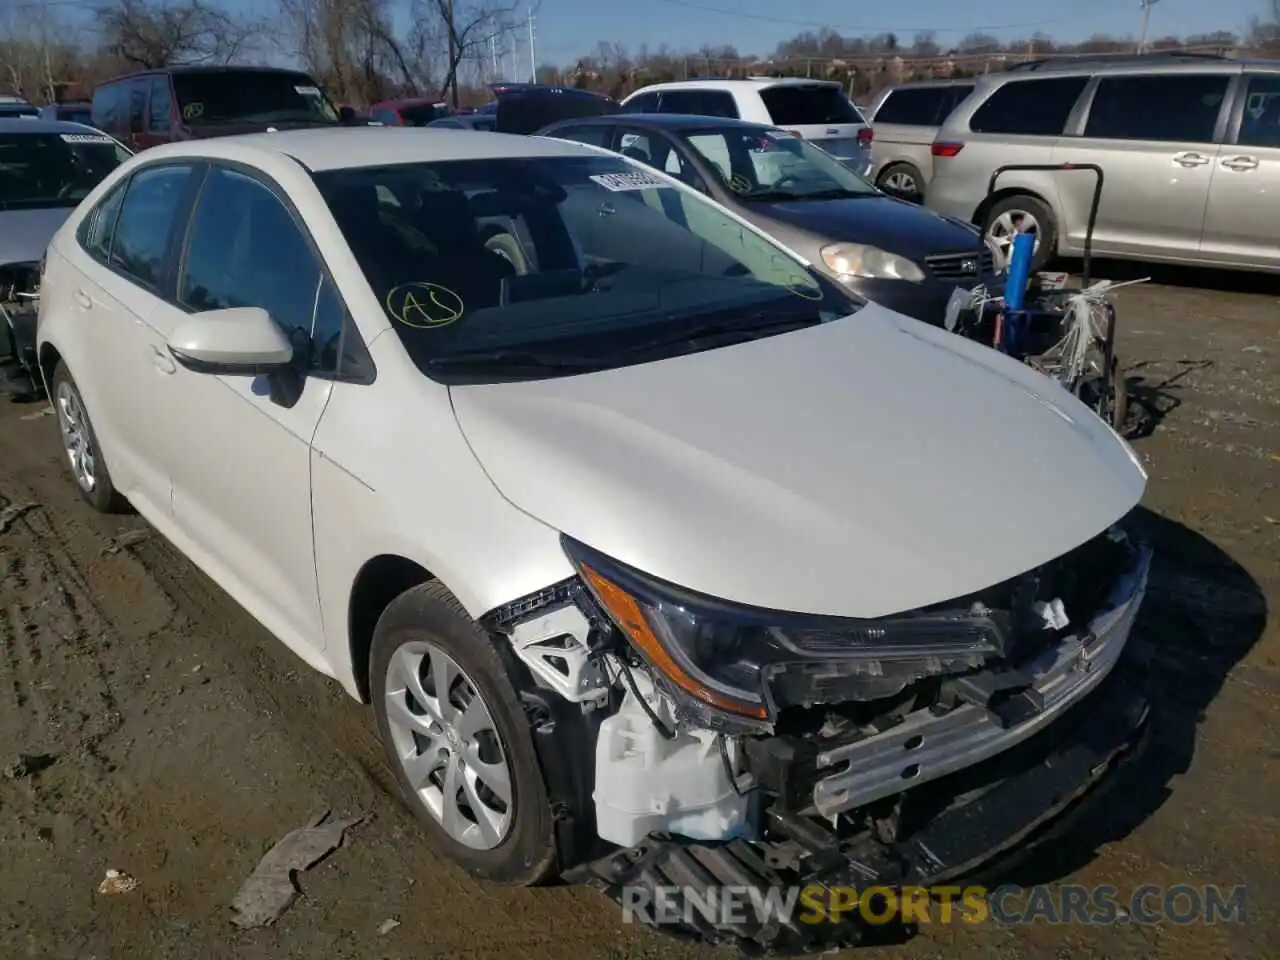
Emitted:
<point x="1260" y="120"/>
<point x="699" y="103"/>
<point x="912" y="108"/>
<point x="1175" y="107"/>
<point x="146" y="220"/>
<point x="796" y="105"/>
<point x="645" y="103"/>
<point x="1034" y="107"/>
<point x="138" y="103"/>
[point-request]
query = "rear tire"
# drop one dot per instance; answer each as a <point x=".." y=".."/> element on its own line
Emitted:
<point x="80" y="444"/>
<point x="458" y="739"/>
<point x="1022" y="213"/>
<point x="902" y="180"/>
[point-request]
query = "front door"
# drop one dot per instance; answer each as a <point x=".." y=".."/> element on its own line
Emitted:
<point x="1240" y="224"/>
<point x="241" y="468"/>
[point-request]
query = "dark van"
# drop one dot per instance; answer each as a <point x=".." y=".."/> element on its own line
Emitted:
<point x="185" y="103"/>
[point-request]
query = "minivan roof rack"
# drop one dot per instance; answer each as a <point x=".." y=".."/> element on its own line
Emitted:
<point x="1088" y="59"/>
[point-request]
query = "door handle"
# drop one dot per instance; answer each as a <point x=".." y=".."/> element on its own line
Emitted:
<point x="1190" y="159"/>
<point x="1241" y="163"/>
<point x="83" y="299"/>
<point x="163" y="362"/>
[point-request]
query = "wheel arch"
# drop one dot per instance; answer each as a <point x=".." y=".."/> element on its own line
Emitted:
<point x="379" y="581"/>
<point x="48" y="358"/>
<point x="980" y="214"/>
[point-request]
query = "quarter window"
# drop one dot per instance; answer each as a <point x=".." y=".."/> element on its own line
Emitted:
<point x="146" y="219"/>
<point x="1182" y="108"/>
<point x="1030" y="107"/>
<point x="246" y="250"/>
<point x="100" y="225"/>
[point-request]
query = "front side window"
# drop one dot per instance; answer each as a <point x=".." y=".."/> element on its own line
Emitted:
<point x="597" y="136"/>
<point x="244" y="249"/>
<point x="762" y="166"/>
<point x="210" y="98"/>
<point x="519" y="268"/>
<point x="1029" y="107"/>
<point x="161" y="105"/>
<point x="798" y="105"/>
<point x="1182" y="108"/>
<point x="44" y="170"/>
<point x="1260" y="119"/>
<point x="146" y="221"/>
<point x="106" y="106"/>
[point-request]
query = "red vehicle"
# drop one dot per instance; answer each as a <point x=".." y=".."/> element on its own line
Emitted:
<point x="409" y="112"/>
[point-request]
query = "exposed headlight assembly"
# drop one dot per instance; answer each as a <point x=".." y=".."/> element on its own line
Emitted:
<point x="858" y="261"/>
<point x="726" y="656"/>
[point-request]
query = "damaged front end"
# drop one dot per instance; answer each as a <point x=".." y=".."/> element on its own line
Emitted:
<point x="19" y="299"/>
<point x="740" y="746"/>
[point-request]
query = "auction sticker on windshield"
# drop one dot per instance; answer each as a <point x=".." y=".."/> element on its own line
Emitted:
<point x="619" y="182"/>
<point x="85" y="138"/>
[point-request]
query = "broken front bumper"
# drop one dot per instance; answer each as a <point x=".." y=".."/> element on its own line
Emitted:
<point x="971" y="822"/>
<point x="925" y="747"/>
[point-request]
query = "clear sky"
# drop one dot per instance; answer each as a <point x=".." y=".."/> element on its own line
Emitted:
<point x="569" y="28"/>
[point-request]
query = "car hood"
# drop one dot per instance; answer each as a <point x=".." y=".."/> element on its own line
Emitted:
<point x="858" y="468"/>
<point x="24" y="234"/>
<point x="884" y="222"/>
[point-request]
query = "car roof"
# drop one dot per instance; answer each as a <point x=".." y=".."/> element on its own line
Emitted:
<point x="205" y="68"/>
<point x="751" y="84"/>
<point x="345" y="147"/>
<point x="677" y="121"/>
<point x="38" y="125"/>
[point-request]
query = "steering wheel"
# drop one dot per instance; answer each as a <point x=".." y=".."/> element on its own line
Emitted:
<point x="506" y="246"/>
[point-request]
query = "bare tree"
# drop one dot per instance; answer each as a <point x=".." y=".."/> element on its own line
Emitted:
<point x="351" y="47"/>
<point x="151" y="33"/>
<point x="463" y="28"/>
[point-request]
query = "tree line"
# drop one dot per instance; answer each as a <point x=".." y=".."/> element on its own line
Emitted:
<point x="452" y="48"/>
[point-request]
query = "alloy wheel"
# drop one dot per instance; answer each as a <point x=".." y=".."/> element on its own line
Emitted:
<point x="1002" y="229"/>
<point x="76" y="439"/>
<point x="448" y="746"/>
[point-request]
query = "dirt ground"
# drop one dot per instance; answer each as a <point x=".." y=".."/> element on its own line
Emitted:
<point x="148" y="725"/>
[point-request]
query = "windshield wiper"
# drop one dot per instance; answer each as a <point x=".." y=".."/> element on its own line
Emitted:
<point x="752" y="327"/>
<point x="835" y="193"/>
<point x="537" y="359"/>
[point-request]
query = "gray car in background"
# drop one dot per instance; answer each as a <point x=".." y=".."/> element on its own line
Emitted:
<point x="1189" y="146"/>
<point x="904" y="120"/>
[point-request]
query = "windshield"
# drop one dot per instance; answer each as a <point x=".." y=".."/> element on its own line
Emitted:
<point x="251" y="96"/>
<point x="419" y="115"/>
<point x="773" y="165"/>
<point x="795" y="105"/>
<point x="520" y="268"/>
<point x="53" y="169"/>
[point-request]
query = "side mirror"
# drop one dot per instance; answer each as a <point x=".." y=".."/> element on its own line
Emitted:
<point x="239" y="341"/>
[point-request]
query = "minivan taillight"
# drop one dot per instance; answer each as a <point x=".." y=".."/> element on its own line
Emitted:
<point x="945" y="148"/>
<point x="865" y="136"/>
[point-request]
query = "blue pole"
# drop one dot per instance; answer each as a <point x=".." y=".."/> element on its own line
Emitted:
<point x="1015" y="290"/>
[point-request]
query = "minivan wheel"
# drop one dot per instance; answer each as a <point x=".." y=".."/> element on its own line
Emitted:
<point x="902" y="180"/>
<point x="458" y="739"/>
<point x="1022" y="214"/>
<point x="80" y="443"/>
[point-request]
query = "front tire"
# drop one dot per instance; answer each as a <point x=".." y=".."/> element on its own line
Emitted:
<point x="1022" y="213"/>
<point x="80" y="443"/>
<point x="458" y="739"/>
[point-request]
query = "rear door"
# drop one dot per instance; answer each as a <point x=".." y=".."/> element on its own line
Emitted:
<point x="1240" y="222"/>
<point x="1157" y="137"/>
<point x="820" y="112"/>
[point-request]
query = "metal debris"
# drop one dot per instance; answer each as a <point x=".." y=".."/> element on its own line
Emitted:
<point x="12" y="512"/>
<point x="387" y="925"/>
<point x="124" y="541"/>
<point x="272" y="887"/>
<point x="117" y="882"/>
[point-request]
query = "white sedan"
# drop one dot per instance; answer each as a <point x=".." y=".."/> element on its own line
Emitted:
<point x="584" y="483"/>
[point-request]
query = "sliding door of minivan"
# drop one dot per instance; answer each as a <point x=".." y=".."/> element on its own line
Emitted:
<point x="1240" y="223"/>
<point x="1156" y="138"/>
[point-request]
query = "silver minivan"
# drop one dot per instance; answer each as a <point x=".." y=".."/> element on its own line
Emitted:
<point x="904" y="121"/>
<point x="1189" y="147"/>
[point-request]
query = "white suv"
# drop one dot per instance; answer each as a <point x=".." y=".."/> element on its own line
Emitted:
<point x="817" y="110"/>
